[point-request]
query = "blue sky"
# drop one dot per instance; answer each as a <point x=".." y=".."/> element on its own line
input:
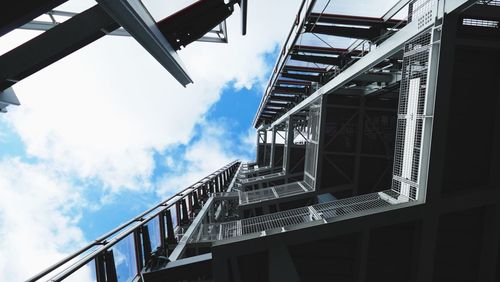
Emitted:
<point x="235" y="108"/>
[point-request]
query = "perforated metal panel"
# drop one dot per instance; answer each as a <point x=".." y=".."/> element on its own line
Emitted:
<point x="422" y="12"/>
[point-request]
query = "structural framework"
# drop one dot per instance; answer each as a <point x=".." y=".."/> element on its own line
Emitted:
<point x="377" y="160"/>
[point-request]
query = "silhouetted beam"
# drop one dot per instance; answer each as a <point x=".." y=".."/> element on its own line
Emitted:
<point x="277" y="105"/>
<point x="54" y="44"/>
<point x="376" y="77"/>
<point x="15" y="13"/>
<point x="266" y="117"/>
<point x="354" y="20"/>
<point x="303" y="69"/>
<point x="316" y="59"/>
<point x="271" y="108"/>
<point x="483" y="12"/>
<point x="306" y="77"/>
<point x="291" y="90"/>
<point x="344" y="31"/>
<point x="284" y="98"/>
<point x="319" y="50"/>
<point x="292" y="82"/>
<point x="269" y="112"/>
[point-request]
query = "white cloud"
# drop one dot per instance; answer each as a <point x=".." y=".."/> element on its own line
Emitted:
<point x="102" y="111"/>
<point x="38" y="217"/>
<point x="201" y="158"/>
<point x="248" y="141"/>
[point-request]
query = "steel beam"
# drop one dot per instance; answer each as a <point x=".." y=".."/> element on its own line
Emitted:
<point x="320" y="50"/>
<point x="7" y="98"/>
<point x="294" y="34"/>
<point x="352" y="20"/>
<point x="44" y="26"/>
<point x="54" y="45"/>
<point x="377" y="77"/>
<point x="134" y="17"/>
<point x="290" y="90"/>
<point x="14" y="14"/>
<point x="344" y="31"/>
<point x="305" y="77"/>
<point x="388" y="48"/>
<point x="335" y="61"/>
<point x="303" y="69"/>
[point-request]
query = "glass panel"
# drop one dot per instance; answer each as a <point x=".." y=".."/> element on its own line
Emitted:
<point x="84" y="274"/>
<point x="154" y="233"/>
<point x="124" y="255"/>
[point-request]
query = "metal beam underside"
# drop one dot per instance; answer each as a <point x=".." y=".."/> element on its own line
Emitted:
<point x="14" y="14"/>
<point x="353" y="20"/>
<point x="344" y="31"/>
<point x="388" y="48"/>
<point x="316" y="59"/>
<point x="305" y="77"/>
<point x="320" y="50"/>
<point x="54" y="44"/>
<point x="134" y="17"/>
<point x="297" y="29"/>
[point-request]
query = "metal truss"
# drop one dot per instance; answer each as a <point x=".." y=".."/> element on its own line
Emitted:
<point x="216" y="35"/>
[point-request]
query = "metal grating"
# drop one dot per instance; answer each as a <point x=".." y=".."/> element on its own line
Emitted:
<point x="490" y="2"/>
<point x="280" y="191"/>
<point x="262" y="177"/>
<point x="350" y="205"/>
<point x="411" y="116"/>
<point x="480" y="23"/>
<point x="354" y="206"/>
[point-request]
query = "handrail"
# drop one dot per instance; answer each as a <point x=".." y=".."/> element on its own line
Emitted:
<point x="105" y="245"/>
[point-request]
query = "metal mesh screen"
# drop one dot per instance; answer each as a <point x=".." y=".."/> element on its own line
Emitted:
<point x="411" y="115"/>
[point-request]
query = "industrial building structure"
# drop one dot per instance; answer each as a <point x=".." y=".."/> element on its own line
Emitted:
<point x="377" y="160"/>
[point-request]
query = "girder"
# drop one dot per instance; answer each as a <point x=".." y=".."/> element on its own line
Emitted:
<point x="54" y="44"/>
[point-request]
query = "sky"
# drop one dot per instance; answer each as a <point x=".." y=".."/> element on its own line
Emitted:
<point x="106" y="132"/>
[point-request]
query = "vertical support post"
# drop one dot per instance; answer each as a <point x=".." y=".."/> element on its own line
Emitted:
<point x="170" y="228"/>
<point x="211" y="185"/>
<point x="195" y="200"/>
<point x="178" y="212"/>
<point x="279" y="261"/>
<point x="146" y="243"/>
<point x="163" y="235"/>
<point x="100" y="270"/>
<point x="288" y="144"/>
<point x="110" y="266"/>
<point x="189" y="199"/>
<point x="185" y="215"/>
<point x="273" y="147"/>
<point x="359" y="145"/>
